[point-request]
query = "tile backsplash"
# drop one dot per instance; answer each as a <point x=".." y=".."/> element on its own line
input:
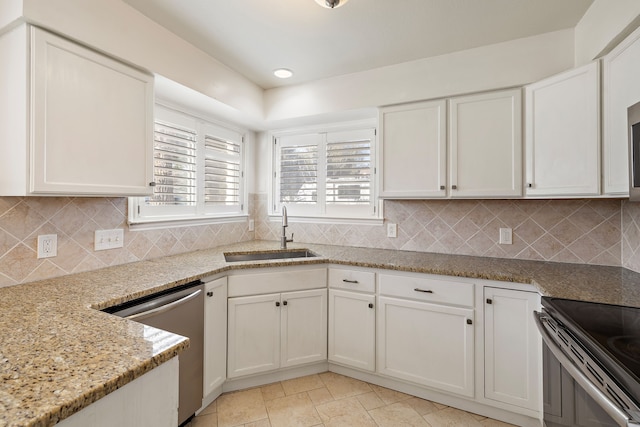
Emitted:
<point x="579" y="231"/>
<point x="605" y="232"/>
<point x="75" y="220"/>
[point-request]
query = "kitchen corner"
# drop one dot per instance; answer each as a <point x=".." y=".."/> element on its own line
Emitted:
<point x="56" y="343"/>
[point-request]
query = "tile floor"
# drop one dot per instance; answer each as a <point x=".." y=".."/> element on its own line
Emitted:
<point x="330" y="399"/>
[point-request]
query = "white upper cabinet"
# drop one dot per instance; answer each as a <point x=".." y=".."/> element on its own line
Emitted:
<point x="485" y="134"/>
<point x="620" y="90"/>
<point x="562" y="134"/>
<point x="413" y="150"/>
<point x="485" y="148"/>
<point x="79" y="123"/>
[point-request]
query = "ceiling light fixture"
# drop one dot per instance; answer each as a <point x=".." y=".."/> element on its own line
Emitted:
<point x="283" y="73"/>
<point x="331" y="4"/>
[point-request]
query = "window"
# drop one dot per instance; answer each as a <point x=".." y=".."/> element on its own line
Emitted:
<point x="328" y="174"/>
<point x="198" y="171"/>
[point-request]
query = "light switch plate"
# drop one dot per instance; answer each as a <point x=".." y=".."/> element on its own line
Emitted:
<point x="506" y="236"/>
<point x="392" y="230"/>
<point x="108" y="239"/>
<point x="252" y="225"/>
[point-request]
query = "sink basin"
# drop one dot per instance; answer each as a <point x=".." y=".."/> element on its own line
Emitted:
<point x="268" y="255"/>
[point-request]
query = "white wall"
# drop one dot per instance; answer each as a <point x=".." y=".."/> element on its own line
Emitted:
<point x="511" y="63"/>
<point x="604" y="25"/>
<point x="10" y="10"/>
<point x="118" y="29"/>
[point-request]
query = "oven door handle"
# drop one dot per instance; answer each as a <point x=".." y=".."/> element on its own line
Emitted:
<point x="600" y="398"/>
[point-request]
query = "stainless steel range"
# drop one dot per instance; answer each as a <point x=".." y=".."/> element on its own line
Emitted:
<point x="591" y="363"/>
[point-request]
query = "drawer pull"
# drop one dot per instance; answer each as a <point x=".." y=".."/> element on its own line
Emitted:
<point x="469" y="322"/>
<point x="210" y="294"/>
<point x="349" y="281"/>
<point x="422" y="290"/>
<point x="370" y="305"/>
<point x="277" y="303"/>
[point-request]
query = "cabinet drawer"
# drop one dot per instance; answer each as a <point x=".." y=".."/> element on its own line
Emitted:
<point x="277" y="281"/>
<point x="426" y="289"/>
<point x="355" y="280"/>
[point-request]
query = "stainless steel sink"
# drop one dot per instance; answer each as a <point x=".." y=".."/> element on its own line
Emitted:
<point x="268" y="255"/>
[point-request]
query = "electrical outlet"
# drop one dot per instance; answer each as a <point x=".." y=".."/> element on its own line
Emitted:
<point x="252" y="225"/>
<point x="108" y="239"/>
<point x="47" y="245"/>
<point x="506" y="236"/>
<point x="392" y="230"/>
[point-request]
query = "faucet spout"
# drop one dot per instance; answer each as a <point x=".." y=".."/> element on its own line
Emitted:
<point x="285" y="224"/>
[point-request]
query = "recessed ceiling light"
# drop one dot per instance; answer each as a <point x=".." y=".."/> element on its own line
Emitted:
<point x="283" y="73"/>
<point x="331" y="4"/>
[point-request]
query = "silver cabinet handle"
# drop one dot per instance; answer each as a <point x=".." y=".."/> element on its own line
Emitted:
<point x="349" y="281"/>
<point x="423" y="290"/>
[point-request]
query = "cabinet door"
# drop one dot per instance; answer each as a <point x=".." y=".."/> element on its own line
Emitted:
<point x="352" y="318"/>
<point x="562" y="134"/>
<point x="413" y="150"/>
<point x="513" y="350"/>
<point x="485" y="145"/>
<point x="92" y="121"/>
<point x="215" y="334"/>
<point x="620" y="90"/>
<point x="254" y="334"/>
<point x="427" y="344"/>
<point x="304" y="327"/>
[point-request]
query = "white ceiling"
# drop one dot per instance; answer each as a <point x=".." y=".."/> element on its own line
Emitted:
<point x="254" y="37"/>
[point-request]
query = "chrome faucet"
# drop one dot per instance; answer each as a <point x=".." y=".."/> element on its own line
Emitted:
<point x="285" y="224"/>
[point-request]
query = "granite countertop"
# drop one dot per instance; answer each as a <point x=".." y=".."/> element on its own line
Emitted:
<point x="59" y="353"/>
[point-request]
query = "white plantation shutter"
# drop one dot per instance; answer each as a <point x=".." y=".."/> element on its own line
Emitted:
<point x="174" y="165"/>
<point x="326" y="174"/>
<point x="222" y="169"/>
<point x="198" y="170"/>
<point x="349" y="168"/>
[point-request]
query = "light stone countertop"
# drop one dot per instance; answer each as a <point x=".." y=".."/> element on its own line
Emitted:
<point x="59" y="353"/>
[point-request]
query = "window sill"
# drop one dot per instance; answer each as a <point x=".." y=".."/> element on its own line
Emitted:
<point x="154" y="224"/>
<point x="328" y="220"/>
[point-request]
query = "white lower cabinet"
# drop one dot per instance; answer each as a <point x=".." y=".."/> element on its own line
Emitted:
<point x="272" y="331"/>
<point x="513" y="350"/>
<point x="148" y="401"/>
<point x="215" y="334"/>
<point x="426" y="344"/>
<point x="352" y="318"/>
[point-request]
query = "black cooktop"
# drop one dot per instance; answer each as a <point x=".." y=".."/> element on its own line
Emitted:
<point x="610" y="333"/>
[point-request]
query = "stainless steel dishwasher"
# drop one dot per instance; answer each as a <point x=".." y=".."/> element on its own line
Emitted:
<point x="181" y="311"/>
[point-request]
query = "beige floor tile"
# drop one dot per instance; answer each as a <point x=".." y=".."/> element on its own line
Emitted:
<point x="488" y="422"/>
<point x="370" y="401"/>
<point x="259" y="423"/>
<point x="210" y="420"/>
<point x="421" y="406"/>
<point x="398" y="414"/>
<point x="320" y="396"/>
<point x="293" y="411"/>
<point x="389" y="396"/>
<point x="340" y="386"/>
<point x="211" y="409"/>
<point x="440" y="406"/>
<point x="478" y="417"/>
<point x="241" y="407"/>
<point x="346" y="412"/>
<point x="298" y="385"/>
<point x="451" y="417"/>
<point x="272" y="391"/>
